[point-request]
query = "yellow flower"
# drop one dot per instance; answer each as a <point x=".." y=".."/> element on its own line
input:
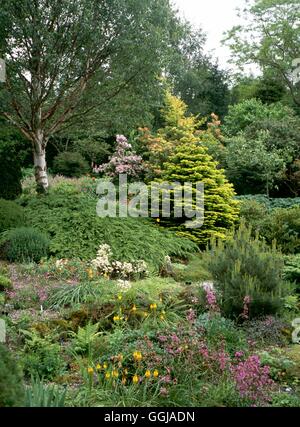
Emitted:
<point x="134" y="308"/>
<point x="116" y="318"/>
<point x="90" y="370"/>
<point x="115" y="373"/>
<point x="147" y="374"/>
<point x="153" y="306"/>
<point x="104" y="365"/>
<point x="155" y="373"/>
<point x="107" y="375"/>
<point x="162" y="317"/>
<point x="120" y="297"/>
<point x="90" y="273"/>
<point x="157" y="220"/>
<point x="125" y="371"/>
<point x="135" y="379"/>
<point x="98" y="367"/>
<point x="137" y="355"/>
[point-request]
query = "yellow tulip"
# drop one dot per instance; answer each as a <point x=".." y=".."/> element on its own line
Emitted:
<point x="155" y="373"/>
<point x="135" y="379"/>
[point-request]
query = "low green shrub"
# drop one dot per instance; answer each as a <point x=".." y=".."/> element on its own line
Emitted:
<point x="71" y="164"/>
<point x="5" y="283"/>
<point x="282" y="225"/>
<point x="41" y="356"/>
<point x="267" y="331"/>
<point x="252" y="211"/>
<point x="270" y="203"/>
<point x="11" y="215"/>
<point x="244" y="266"/>
<point x="77" y="232"/>
<point x="291" y="270"/>
<point x="26" y="245"/>
<point x="11" y="385"/>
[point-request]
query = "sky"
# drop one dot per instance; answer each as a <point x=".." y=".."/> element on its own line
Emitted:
<point x="214" y="17"/>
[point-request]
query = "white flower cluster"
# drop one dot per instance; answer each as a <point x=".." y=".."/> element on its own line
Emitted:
<point x="125" y="270"/>
<point x="124" y="285"/>
<point x="61" y="263"/>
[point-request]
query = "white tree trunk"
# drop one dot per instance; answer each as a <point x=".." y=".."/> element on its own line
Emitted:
<point x="40" y="166"/>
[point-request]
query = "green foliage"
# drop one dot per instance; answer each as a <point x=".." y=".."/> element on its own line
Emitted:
<point x="252" y="210"/>
<point x="5" y="283"/>
<point x="291" y="269"/>
<point x="76" y="231"/>
<point x="66" y="296"/>
<point x="268" y="331"/>
<point x="250" y="164"/>
<point x="11" y="174"/>
<point x="269" y="37"/>
<point x="285" y="400"/>
<point x="41" y="356"/>
<point x="194" y="271"/>
<point x="40" y="395"/>
<point x="245" y="266"/>
<point x="242" y="115"/>
<point x="26" y="244"/>
<point x="11" y="215"/>
<point x="84" y="338"/>
<point x="11" y="385"/>
<point x="270" y="203"/>
<point x="216" y="327"/>
<point x="70" y="164"/>
<point x="282" y="225"/>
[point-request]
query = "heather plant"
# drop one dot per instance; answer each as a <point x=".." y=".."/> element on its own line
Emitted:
<point x="267" y="331"/>
<point x="26" y="244"/>
<point x="248" y="274"/>
<point x="253" y="380"/>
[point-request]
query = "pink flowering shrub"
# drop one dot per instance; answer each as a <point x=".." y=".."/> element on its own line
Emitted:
<point x="123" y="161"/>
<point x="252" y="380"/>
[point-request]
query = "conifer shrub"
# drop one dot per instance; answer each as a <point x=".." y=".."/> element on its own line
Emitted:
<point x="191" y="163"/>
<point x="11" y="386"/>
<point x="70" y="164"/>
<point x="11" y="215"/>
<point x="76" y="231"/>
<point x="180" y="153"/>
<point x="248" y="274"/>
<point x="26" y="244"/>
